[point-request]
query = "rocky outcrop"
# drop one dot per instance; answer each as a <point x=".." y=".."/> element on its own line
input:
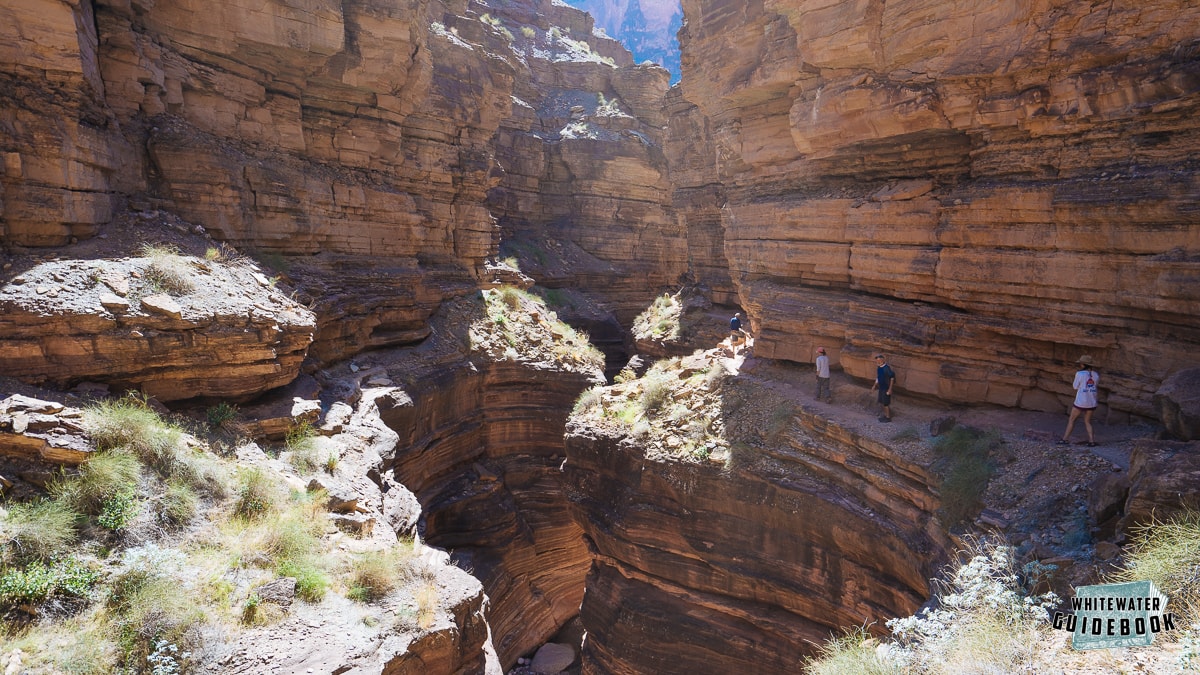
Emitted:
<point x="743" y="565"/>
<point x="1162" y="482"/>
<point x="982" y="193"/>
<point x="230" y="334"/>
<point x="1178" y="404"/>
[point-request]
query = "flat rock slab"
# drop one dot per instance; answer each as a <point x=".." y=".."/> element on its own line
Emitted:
<point x="162" y="304"/>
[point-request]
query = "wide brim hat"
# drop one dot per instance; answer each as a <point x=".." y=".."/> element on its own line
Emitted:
<point x="1084" y="360"/>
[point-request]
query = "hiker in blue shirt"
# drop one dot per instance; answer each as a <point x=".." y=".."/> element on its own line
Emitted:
<point x="737" y="337"/>
<point x="885" y="379"/>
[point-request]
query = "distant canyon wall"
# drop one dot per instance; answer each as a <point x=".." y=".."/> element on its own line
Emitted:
<point x="984" y="194"/>
<point x="350" y="144"/>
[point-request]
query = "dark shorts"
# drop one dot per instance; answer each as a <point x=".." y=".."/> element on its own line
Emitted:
<point x="1084" y="409"/>
<point x="884" y="397"/>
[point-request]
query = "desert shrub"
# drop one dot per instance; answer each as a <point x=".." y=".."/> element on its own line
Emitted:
<point x="656" y="388"/>
<point x="221" y="414"/>
<point x="1167" y="552"/>
<point x="37" y="582"/>
<point x="375" y="574"/>
<point x="986" y="621"/>
<point x="37" y="530"/>
<point x="168" y="271"/>
<point x="964" y="465"/>
<point x="528" y="32"/>
<point x="147" y="605"/>
<point x="128" y="423"/>
<point x="589" y="399"/>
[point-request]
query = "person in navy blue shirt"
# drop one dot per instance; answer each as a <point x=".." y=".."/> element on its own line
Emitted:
<point x="885" y="379"/>
<point x="736" y="336"/>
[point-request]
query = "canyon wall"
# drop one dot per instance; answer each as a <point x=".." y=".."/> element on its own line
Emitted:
<point x="743" y="566"/>
<point x="480" y="444"/>
<point x="585" y="199"/>
<point x="983" y="193"/>
<point x="350" y="146"/>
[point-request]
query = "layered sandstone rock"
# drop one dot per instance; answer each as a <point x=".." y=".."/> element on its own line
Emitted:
<point x="479" y="441"/>
<point x="983" y="193"/>
<point x="743" y="565"/>
<point x="584" y="201"/>
<point x="231" y="335"/>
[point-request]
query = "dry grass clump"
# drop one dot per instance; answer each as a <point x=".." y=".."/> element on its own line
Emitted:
<point x="1168" y="554"/>
<point x="105" y="476"/>
<point x="427" y="602"/>
<point x="36" y="530"/>
<point x="375" y="574"/>
<point x="853" y="652"/>
<point x="168" y="271"/>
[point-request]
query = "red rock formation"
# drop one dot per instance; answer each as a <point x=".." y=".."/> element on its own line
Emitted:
<point x="984" y="193"/>
<point x="711" y="569"/>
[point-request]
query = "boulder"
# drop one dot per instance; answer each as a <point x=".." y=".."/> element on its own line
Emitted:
<point x="553" y="657"/>
<point x="1164" y="476"/>
<point x="1177" y="403"/>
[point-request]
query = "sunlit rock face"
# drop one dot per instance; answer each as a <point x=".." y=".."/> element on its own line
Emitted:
<point x="705" y="567"/>
<point x="984" y="193"/>
<point x="585" y="198"/>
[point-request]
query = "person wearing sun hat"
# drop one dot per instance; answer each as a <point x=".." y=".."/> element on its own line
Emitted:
<point x="823" y="391"/>
<point x="1086" y="400"/>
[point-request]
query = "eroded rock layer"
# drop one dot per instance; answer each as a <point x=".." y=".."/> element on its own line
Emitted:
<point x="983" y="193"/>
<point x="480" y="444"/>
<point x="707" y="568"/>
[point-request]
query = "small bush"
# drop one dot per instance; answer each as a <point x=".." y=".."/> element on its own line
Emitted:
<point x="35" y="583"/>
<point x="312" y="581"/>
<point x="528" y="32"/>
<point x="962" y="461"/>
<point x="1168" y="554"/>
<point x="221" y="414"/>
<point x="256" y="494"/>
<point x="37" y="530"/>
<point x="168" y="271"/>
<point x="117" y="510"/>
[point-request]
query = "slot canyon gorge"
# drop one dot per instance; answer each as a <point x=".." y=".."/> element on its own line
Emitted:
<point x="486" y="262"/>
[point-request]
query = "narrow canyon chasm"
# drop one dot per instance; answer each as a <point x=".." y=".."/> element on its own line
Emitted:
<point x="983" y="194"/>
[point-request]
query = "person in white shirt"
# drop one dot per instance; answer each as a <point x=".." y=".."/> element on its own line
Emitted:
<point x="1086" y="400"/>
<point x="823" y="391"/>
